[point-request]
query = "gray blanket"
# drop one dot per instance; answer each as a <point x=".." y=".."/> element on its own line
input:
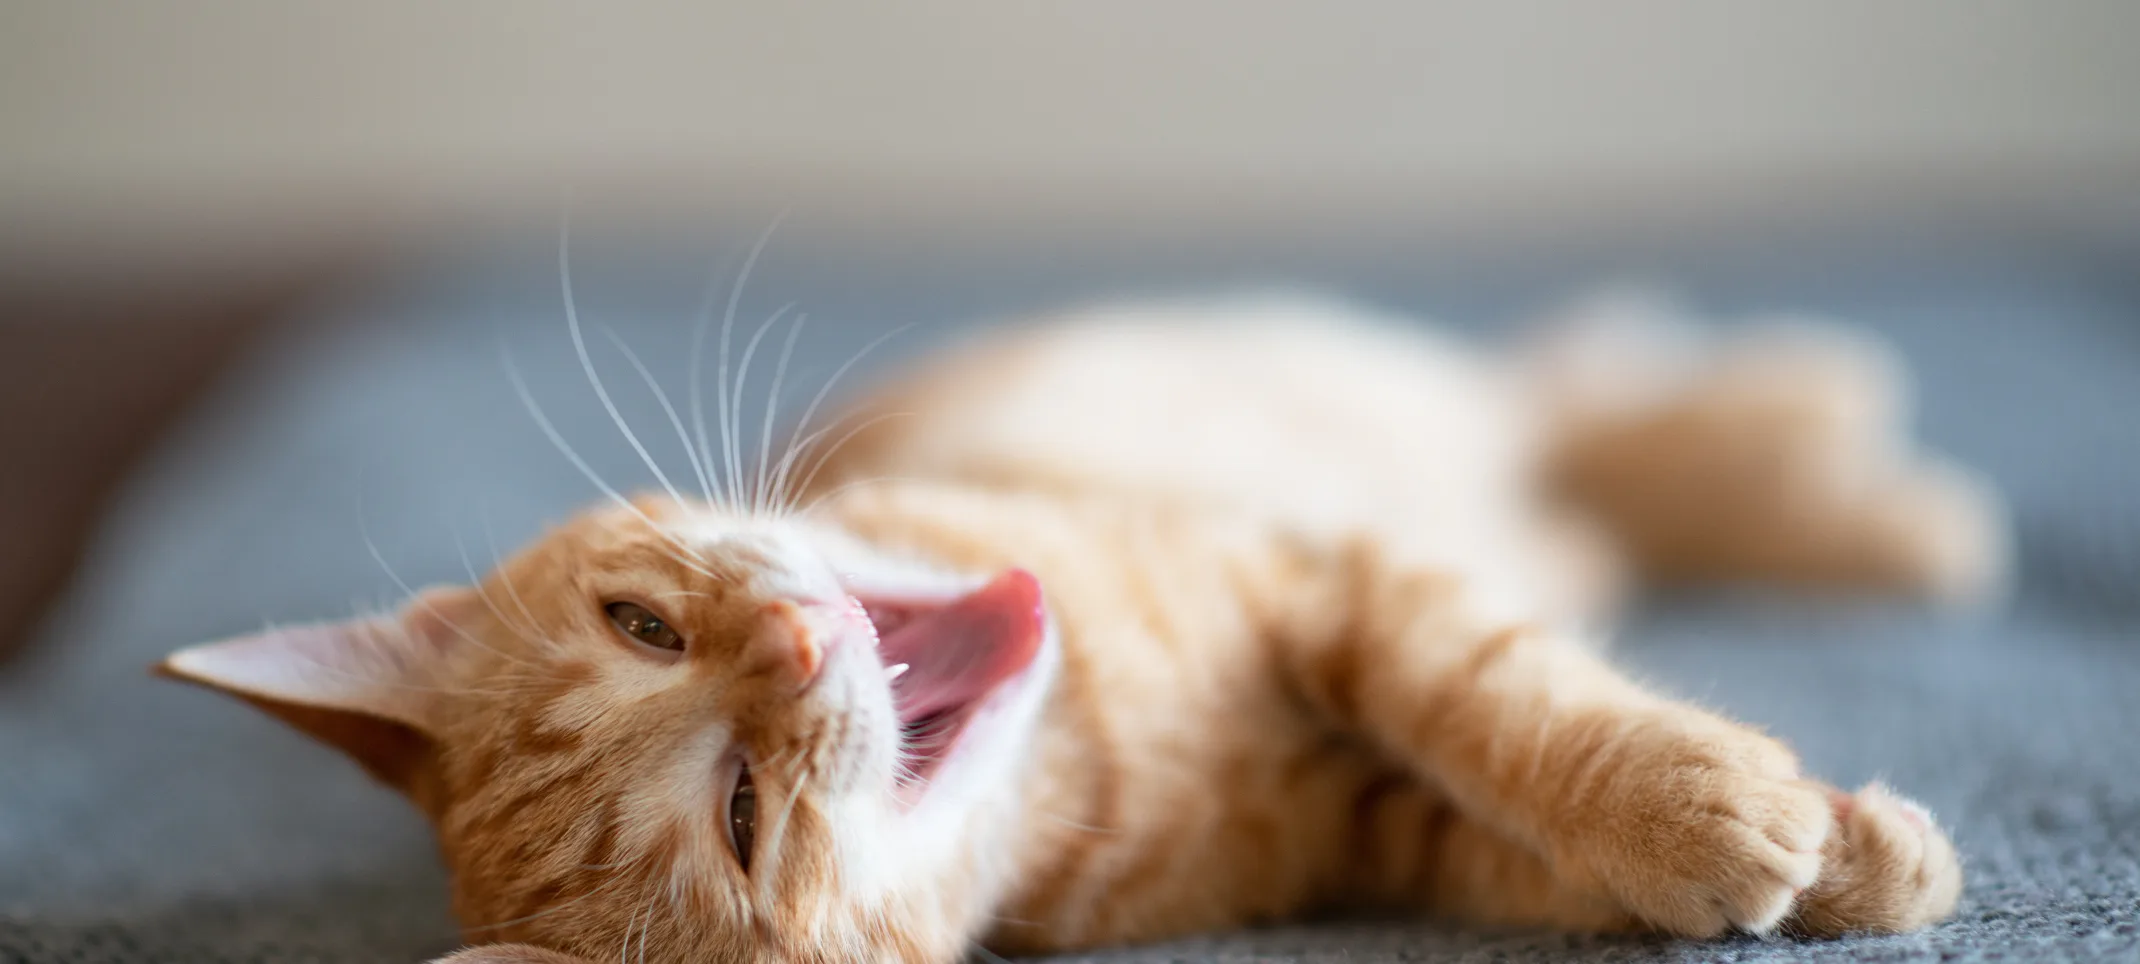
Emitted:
<point x="143" y="821"/>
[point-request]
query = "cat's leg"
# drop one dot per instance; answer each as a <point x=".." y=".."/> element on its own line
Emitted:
<point x="1780" y="452"/>
<point x="1883" y="868"/>
<point x="1428" y="854"/>
<point x="1691" y="822"/>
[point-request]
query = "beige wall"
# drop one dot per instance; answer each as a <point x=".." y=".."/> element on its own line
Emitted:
<point x="152" y="112"/>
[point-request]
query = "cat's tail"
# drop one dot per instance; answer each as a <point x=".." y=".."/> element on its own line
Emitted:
<point x="1777" y="450"/>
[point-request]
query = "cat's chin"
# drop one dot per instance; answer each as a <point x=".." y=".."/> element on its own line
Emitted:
<point x="952" y="663"/>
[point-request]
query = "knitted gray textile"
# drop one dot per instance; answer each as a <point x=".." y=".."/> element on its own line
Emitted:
<point x="143" y="821"/>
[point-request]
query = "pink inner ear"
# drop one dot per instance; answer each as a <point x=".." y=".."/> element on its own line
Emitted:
<point x="355" y="666"/>
<point x="386" y="667"/>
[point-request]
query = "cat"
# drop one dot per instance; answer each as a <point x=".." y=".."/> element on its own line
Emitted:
<point x="1153" y="619"/>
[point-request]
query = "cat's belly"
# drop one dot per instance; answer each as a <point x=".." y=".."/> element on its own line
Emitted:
<point x="1313" y="413"/>
<point x="1309" y="416"/>
<point x="1237" y="838"/>
<point x="1177" y="782"/>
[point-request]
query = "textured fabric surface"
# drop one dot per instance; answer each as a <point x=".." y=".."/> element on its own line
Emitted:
<point x="143" y="821"/>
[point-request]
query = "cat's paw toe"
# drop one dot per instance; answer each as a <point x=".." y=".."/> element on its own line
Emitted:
<point x="1889" y="868"/>
<point x="1742" y="858"/>
<point x="1726" y="842"/>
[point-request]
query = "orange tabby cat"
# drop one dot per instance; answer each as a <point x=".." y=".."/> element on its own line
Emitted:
<point x="1175" y="617"/>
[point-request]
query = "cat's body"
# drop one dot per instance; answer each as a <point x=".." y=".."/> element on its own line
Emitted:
<point x="1311" y="634"/>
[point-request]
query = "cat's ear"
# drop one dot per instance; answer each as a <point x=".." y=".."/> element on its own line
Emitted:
<point x="368" y="687"/>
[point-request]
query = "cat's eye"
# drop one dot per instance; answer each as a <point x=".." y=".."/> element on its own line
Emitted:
<point x="641" y="624"/>
<point x="743" y="818"/>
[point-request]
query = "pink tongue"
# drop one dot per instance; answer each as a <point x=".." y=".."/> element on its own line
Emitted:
<point x="956" y="654"/>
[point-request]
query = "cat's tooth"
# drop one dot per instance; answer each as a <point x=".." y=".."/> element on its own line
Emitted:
<point x="894" y="671"/>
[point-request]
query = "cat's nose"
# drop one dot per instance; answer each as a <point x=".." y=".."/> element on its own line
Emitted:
<point x="805" y="633"/>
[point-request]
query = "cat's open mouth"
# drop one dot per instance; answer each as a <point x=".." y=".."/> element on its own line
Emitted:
<point x="946" y="658"/>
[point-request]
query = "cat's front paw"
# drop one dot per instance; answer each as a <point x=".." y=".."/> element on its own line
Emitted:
<point x="1698" y="826"/>
<point x="1888" y="868"/>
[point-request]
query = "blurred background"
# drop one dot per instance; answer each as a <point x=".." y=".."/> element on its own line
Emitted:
<point x="260" y="262"/>
<point x="176" y="177"/>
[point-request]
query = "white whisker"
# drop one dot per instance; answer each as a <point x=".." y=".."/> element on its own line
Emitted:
<point x="844" y="486"/>
<point x="807" y="449"/>
<point x="646" y="930"/>
<point x="624" y="953"/>
<point x="770" y="849"/>
<point x="824" y="458"/>
<point x="696" y="400"/>
<point x="686" y="563"/>
<point x="728" y="324"/>
<point x="364" y="531"/>
<point x="530" y="634"/>
<point x="497" y="565"/>
<point x="542" y="421"/>
<point x="810" y="412"/>
<point x="579" y="344"/>
<point x="772" y="405"/>
<point x="1075" y="825"/>
<point x="667" y="409"/>
<point x="751" y="496"/>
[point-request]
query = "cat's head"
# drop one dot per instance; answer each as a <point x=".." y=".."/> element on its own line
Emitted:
<point x="672" y="730"/>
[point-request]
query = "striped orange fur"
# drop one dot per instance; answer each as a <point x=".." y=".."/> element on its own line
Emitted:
<point x="1318" y="608"/>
